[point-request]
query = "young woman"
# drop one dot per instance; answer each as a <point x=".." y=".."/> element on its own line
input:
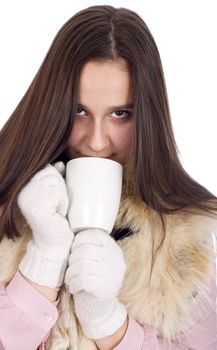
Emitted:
<point x="150" y="284"/>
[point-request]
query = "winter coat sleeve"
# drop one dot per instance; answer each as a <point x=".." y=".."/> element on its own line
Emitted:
<point x="202" y="335"/>
<point x="26" y="316"/>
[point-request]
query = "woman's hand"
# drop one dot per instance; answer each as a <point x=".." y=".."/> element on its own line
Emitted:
<point x="94" y="276"/>
<point x="44" y="204"/>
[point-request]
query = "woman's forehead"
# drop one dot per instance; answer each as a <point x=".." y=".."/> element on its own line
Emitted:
<point x="105" y="81"/>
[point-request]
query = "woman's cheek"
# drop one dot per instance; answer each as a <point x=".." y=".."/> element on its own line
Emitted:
<point x="76" y="135"/>
<point x="123" y="136"/>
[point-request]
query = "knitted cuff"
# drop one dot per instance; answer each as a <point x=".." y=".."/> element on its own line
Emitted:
<point x="107" y="325"/>
<point x="42" y="268"/>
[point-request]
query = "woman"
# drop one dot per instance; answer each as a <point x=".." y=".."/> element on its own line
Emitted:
<point x="150" y="284"/>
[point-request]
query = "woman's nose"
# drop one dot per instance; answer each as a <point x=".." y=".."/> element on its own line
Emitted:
<point x="97" y="138"/>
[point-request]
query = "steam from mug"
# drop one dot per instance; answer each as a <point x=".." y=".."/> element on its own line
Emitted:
<point x="94" y="187"/>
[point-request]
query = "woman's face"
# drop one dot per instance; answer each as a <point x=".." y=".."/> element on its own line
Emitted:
<point x="103" y="123"/>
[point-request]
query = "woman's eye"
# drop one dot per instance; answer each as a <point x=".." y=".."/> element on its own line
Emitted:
<point x="122" y="114"/>
<point x="79" y="109"/>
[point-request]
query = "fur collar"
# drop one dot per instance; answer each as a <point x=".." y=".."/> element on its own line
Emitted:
<point x="183" y="266"/>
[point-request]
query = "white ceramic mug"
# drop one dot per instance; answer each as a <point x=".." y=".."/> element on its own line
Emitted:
<point x="94" y="187"/>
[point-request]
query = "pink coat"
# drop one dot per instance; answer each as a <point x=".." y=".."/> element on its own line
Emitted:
<point x="26" y="318"/>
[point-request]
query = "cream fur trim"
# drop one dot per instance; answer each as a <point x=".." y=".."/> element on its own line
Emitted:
<point x="183" y="268"/>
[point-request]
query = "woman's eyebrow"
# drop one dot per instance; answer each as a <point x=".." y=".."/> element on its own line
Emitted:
<point x="128" y="105"/>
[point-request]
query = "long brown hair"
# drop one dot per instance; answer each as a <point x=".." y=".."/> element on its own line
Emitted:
<point x="38" y="129"/>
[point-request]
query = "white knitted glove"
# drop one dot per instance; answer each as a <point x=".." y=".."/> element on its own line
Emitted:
<point x="94" y="276"/>
<point x="44" y="203"/>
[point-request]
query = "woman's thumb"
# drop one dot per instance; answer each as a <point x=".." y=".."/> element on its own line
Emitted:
<point x="60" y="166"/>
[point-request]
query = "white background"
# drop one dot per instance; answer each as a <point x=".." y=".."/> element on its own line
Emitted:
<point x="186" y="35"/>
